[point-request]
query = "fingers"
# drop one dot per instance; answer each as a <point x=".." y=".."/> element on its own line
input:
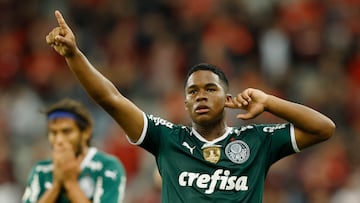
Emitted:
<point x="229" y="103"/>
<point x="61" y="21"/>
<point x="250" y="101"/>
<point x="61" y="38"/>
<point x="244" y="98"/>
<point x="241" y="100"/>
<point x="50" y="38"/>
<point x="238" y="102"/>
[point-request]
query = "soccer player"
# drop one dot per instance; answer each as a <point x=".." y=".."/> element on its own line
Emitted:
<point x="76" y="172"/>
<point x="207" y="161"/>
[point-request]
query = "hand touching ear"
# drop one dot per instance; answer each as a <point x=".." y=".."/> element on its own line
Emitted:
<point x="251" y="100"/>
<point x="62" y="38"/>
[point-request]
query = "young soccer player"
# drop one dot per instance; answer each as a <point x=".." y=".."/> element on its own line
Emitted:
<point x="76" y="172"/>
<point x="208" y="161"/>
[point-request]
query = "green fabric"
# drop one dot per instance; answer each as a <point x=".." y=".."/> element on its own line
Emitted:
<point x="236" y="177"/>
<point x="102" y="179"/>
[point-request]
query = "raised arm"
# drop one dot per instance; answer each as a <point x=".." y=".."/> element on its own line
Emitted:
<point x="126" y="114"/>
<point x="311" y="127"/>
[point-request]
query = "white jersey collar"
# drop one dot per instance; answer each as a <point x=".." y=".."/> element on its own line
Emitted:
<point x="90" y="154"/>
<point x="201" y="138"/>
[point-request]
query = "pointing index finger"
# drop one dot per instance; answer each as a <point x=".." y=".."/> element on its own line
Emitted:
<point x="61" y="20"/>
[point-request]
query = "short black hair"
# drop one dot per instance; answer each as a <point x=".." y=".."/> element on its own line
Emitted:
<point x="208" y="67"/>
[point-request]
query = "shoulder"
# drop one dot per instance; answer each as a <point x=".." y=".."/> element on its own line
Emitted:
<point x="112" y="167"/>
<point x="43" y="166"/>
<point x="108" y="160"/>
<point x="262" y="128"/>
<point x="105" y="157"/>
<point x="251" y="128"/>
<point x="156" y="121"/>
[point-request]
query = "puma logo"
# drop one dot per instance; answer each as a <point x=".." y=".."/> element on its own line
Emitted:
<point x="111" y="174"/>
<point x="185" y="144"/>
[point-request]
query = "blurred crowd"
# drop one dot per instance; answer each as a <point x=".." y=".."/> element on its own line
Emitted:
<point x="307" y="51"/>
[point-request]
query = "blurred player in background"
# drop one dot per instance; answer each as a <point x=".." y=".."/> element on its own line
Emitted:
<point x="207" y="161"/>
<point x="76" y="172"/>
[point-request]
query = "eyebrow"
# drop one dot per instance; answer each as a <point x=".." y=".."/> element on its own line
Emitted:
<point x="206" y="85"/>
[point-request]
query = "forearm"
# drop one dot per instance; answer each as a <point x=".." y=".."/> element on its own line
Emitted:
<point x="106" y="95"/>
<point x="302" y="117"/>
<point x="74" y="192"/>
<point x="96" y="85"/>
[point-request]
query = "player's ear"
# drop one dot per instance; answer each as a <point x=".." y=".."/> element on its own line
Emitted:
<point x="228" y="100"/>
<point x="186" y="102"/>
<point x="87" y="134"/>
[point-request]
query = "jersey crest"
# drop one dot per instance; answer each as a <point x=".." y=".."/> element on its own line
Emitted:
<point x="211" y="153"/>
<point x="237" y="151"/>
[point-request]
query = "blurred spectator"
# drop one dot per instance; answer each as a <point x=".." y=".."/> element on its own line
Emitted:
<point x="116" y="144"/>
<point x="10" y="192"/>
<point x="274" y="52"/>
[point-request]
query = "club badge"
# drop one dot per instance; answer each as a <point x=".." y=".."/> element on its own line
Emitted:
<point x="211" y="153"/>
<point x="237" y="151"/>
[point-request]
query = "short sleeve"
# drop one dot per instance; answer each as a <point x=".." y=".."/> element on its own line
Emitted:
<point x="110" y="185"/>
<point x="32" y="189"/>
<point x="282" y="141"/>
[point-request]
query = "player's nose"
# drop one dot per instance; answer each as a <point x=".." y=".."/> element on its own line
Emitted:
<point x="202" y="96"/>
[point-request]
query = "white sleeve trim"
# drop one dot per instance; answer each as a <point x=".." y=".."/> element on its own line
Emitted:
<point x="293" y="139"/>
<point x="143" y="133"/>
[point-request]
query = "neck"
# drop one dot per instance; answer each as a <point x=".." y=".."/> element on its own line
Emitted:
<point x="210" y="132"/>
<point x="82" y="154"/>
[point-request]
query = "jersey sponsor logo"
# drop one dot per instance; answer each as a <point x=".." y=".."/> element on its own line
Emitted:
<point x="242" y="128"/>
<point x="219" y="180"/>
<point x="237" y="151"/>
<point x="160" y="121"/>
<point x="270" y="129"/>
<point x="185" y="144"/>
<point x="211" y="153"/>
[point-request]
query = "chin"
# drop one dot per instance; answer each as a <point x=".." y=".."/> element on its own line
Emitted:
<point x="203" y="120"/>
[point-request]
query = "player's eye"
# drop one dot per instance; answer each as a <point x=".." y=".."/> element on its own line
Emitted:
<point x="66" y="131"/>
<point x="191" y="92"/>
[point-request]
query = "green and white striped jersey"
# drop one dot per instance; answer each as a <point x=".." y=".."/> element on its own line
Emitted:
<point x="231" y="168"/>
<point x="102" y="179"/>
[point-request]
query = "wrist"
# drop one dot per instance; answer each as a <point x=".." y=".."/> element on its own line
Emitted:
<point x="56" y="186"/>
<point x="73" y="54"/>
<point x="267" y="102"/>
<point x="69" y="184"/>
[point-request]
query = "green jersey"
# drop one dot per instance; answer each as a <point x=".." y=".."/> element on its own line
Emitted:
<point x="102" y="179"/>
<point x="231" y="168"/>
